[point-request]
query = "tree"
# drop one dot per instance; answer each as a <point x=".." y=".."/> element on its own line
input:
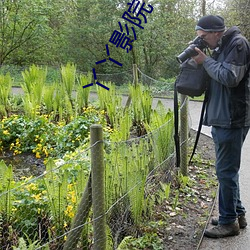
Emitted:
<point x="237" y="12"/>
<point x="89" y="30"/>
<point x="169" y="29"/>
<point x="21" y="21"/>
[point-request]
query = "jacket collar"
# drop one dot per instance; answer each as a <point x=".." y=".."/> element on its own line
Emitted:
<point x="231" y="32"/>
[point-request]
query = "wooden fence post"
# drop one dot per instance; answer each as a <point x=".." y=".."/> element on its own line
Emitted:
<point x="135" y="74"/>
<point x="135" y="81"/>
<point x="98" y="195"/>
<point x="184" y="135"/>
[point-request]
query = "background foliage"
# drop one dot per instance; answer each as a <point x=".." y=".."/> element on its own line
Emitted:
<point x="49" y="32"/>
<point x="56" y="32"/>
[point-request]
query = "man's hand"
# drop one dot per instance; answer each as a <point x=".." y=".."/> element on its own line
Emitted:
<point x="200" y="58"/>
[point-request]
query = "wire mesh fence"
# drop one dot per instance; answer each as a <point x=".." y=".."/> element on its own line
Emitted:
<point x="46" y="210"/>
<point x="55" y="210"/>
<point x="162" y="87"/>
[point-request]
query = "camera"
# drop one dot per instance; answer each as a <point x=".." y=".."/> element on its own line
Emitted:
<point x="190" y="51"/>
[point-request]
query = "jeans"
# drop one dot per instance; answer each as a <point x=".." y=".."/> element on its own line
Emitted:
<point x="228" y="145"/>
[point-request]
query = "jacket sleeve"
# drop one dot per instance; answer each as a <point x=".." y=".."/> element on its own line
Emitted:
<point x="234" y="66"/>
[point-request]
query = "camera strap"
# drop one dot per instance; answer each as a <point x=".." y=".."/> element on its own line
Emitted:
<point x="176" y="126"/>
<point x="200" y="126"/>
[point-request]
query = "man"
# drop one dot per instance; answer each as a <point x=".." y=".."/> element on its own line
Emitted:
<point x="228" y="112"/>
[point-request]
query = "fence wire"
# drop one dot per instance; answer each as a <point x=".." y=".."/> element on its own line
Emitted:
<point x="158" y="87"/>
<point x="43" y="210"/>
<point x="48" y="203"/>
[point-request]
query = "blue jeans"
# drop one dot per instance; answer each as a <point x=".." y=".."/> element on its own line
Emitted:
<point x="228" y="145"/>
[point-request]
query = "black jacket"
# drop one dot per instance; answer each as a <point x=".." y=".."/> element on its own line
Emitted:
<point x="229" y="90"/>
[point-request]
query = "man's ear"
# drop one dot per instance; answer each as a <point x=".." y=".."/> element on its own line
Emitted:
<point x="219" y="34"/>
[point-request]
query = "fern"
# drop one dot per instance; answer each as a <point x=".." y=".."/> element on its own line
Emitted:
<point x="56" y="185"/>
<point x="110" y="102"/>
<point x="33" y="86"/>
<point x="6" y="184"/>
<point x="5" y="90"/>
<point x="68" y="74"/>
<point x="29" y="245"/>
<point x="161" y="126"/>
<point x="82" y="97"/>
<point x="49" y="97"/>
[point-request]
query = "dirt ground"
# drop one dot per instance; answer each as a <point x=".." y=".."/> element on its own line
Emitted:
<point x="187" y="222"/>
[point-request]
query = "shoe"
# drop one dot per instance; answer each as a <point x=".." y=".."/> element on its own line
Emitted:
<point x="221" y="231"/>
<point x="241" y="219"/>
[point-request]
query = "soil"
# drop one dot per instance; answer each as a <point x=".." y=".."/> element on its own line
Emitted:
<point x="25" y="164"/>
<point x="186" y="223"/>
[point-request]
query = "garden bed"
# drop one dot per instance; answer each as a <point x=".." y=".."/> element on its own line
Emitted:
<point x="181" y="215"/>
<point x="178" y="221"/>
<point x="150" y="205"/>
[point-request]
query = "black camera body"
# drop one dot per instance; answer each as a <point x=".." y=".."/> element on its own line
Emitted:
<point x="190" y="51"/>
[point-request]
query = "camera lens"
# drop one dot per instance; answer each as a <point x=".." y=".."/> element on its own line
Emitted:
<point x="187" y="53"/>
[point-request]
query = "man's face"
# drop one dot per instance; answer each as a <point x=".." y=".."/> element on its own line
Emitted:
<point x="211" y="38"/>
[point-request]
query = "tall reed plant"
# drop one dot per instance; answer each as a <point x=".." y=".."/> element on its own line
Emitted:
<point x="110" y="102"/>
<point x="122" y="128"/>
<point x="6" y="196"/>
<point x="82" y="94"/>
<point x="48" y="97"/>
<point x="5" y="90"/>
<point x="126" y="172"/>
<point x="33" y="85"/>
<point x="141" y="104"/>
<point x="62" y="106"/>
<point x="56" y="187"/>
<point x="68" y="74"/>
<point x="161" y="130"/>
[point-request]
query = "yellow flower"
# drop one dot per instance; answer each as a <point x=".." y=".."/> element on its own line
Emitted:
<point x="31" y="187"/>
<point x="45" y="151"/>
<point x="38" y="155"/>
<point x="12" y="145"/>
<point x="6" y="132"/>
<point x="69" y="211"/>
<point x="37" y="196"/>
<point x="14" y="209"/>
<point x="73" y="199"/>
<point x="26" y="178"/>
<point x="16" y="152"/>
